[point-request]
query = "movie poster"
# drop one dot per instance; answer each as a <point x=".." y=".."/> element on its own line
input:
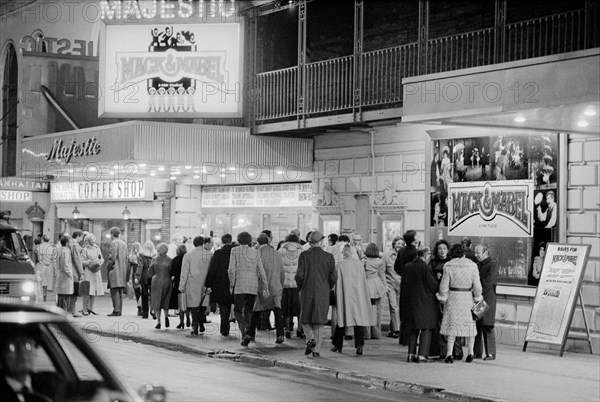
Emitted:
<point x="466" y="167"/>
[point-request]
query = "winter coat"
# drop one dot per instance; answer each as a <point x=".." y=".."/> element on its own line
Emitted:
<point x="375" y="271"/>
<point x="273" y="265"/>
<point x="142" y="274"/>
<point x="45" y="252"/>
<point x="315" y="277"/>
<point x="90" y="254"/>
<point x="218" y="278"/>
<point x="63" y="283"/>
<point x="488" y="274"/>
<point x="246" y="270"/>
<point x="290" y="252"/>
<point x="160" y="292"/>
<point x="175" y="278"/>
<point x="421" y="286"/>
<point x="117" y="277"/>
<point x="405" y="255"/>
<point x="75" y="248"/>
<point x="391" y="277"/>
<point x="194" y="270"/>
<point x="353" y="303"/>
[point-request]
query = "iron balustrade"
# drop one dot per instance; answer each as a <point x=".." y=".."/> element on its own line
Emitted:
<point x="330" y="86"/>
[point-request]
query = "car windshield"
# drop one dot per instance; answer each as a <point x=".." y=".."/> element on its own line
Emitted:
<point x="12" y="246"/>
<point x="57" y="362"/>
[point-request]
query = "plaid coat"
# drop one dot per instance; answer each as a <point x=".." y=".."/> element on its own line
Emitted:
<point x="246" y="270"/>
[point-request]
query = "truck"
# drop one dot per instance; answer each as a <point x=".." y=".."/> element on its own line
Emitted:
<point x="18" y="279"/>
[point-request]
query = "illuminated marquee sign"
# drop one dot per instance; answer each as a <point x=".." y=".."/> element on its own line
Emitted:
<point x="102" y="190"/>
<point x="65" y="152"/>
<point x="499" y="208"/>
<point x="172" y="71"/>
<point x="132" y="10"/>
<point x="272" y="195"/>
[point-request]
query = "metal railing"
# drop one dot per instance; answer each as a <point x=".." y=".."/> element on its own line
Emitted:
<point x="330" y="86"/>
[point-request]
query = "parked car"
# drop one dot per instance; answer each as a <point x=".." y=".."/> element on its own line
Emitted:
<point x="40" y="344"/>
<point x="18" y="280"/>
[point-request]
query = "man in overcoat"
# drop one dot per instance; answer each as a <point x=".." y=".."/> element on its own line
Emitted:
<point x="315" y="277"/>
<point x="488" y="274"/>
<point x="75" y="246"/>
<point x="117" y="276"/>
<point x="63" y="283"/>
<point x="405" y="255"/>
<point x="217" y="281"/>
<point x="194" y="270"/>
<point x="272" y="262"/>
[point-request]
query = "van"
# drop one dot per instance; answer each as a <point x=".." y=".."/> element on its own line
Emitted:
<point x="18" y="279"/>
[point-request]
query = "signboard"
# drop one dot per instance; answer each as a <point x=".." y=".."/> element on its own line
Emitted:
<point x="493" y="208"/>
<point x="15" y="196"/>
<point x="172" y="70"/>
<point x="13" y="183"/>
<point x="557" y="292"/>
<point x="275" y="195"/>
<point x="107" y="190"/>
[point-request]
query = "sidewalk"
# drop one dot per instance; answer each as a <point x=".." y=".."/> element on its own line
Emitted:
<point x="537" y="375"/>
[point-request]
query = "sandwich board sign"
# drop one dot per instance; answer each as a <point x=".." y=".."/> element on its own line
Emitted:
<point x="557" y="295"/>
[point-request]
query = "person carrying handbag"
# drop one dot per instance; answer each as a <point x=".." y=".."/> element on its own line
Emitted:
<point x="92" y="260"/>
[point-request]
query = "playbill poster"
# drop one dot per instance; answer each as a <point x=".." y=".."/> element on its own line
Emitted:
<point x="557" y="293"/>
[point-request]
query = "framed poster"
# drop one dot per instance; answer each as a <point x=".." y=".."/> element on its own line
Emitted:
<point x="391" y="229"/>
<point x="557" y="293"/>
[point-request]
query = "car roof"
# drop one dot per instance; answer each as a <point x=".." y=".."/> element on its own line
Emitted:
<point x="6" y="227"/>
<point x="23" y="313"/>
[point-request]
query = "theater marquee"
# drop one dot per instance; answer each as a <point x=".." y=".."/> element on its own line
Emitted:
<point x="172" y="70"/>
<point x="494" y="208"/>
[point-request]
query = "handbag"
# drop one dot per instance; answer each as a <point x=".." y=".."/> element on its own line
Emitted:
<point x="479" y="309"/>
<point x="94" y="267"/>
<point x="182" y="302"/>
<point x="84" y="288"/>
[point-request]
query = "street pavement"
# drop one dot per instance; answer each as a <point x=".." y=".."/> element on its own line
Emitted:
<point x="536" y="375"/>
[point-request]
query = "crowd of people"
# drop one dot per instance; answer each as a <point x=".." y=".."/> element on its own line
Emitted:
<point x="341" y="283"/>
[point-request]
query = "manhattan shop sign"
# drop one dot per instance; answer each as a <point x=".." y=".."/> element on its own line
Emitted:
<point x="498" y="208"/>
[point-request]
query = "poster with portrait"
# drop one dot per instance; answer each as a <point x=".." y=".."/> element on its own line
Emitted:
<point x="391" y="230"/>
<point x="439" y="209"/>
<point x="441" y="165"/>
<point x="543" y="155"/>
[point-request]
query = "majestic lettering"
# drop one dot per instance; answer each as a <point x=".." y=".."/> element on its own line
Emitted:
<point x="59" y="151"/>
<point x="132" y="10"/>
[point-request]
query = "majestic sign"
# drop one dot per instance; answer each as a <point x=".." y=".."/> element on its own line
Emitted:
<point x="64" y="152"/>
<point x="557" y="293"/>
<point x="15" y="196"/>
<point x="13" y="183"/>
<point x="273" y="195"/>
<point x="134" y="10"/>
<point x="497" y="208"/>
<point x="107" y="190"/>
<point x="172" y="71"/>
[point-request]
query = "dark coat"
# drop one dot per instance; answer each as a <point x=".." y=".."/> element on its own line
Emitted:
<point x="488" y="274"/>
<point x="405" y="255"/>
<point x="421" y="286"/>
<point x="315" y="277"/>
<point x="218" y="278"/>
<point x="437" y="267"/>
<point x="175" y="277"/>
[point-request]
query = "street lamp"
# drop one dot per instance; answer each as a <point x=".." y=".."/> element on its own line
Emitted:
<point x="76" y="213"/>
<point x="126" y="214"/>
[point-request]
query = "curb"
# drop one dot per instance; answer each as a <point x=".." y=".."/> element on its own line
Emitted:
<point x="352" y="377"/>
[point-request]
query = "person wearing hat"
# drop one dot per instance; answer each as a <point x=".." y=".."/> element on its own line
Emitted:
<point x="315" y="277"/>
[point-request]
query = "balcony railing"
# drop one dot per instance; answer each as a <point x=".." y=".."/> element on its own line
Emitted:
<point x="330" y="87"/>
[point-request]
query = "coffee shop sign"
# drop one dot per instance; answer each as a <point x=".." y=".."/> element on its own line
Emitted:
<point x="63" y="152"/>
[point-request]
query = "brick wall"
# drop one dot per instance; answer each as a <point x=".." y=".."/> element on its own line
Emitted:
<point x="583" y="225"/>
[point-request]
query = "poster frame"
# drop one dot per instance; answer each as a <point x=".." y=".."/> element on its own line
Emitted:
<point x="573" y="304"/>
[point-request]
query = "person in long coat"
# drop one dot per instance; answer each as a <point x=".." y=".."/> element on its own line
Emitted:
<point x="91" y="254"/>
<point x="488" y="274"/>
<point x="194" y="270"/>
<point x="217" y="281"/>
<point x="142" y="276"/>
<point x="459" y="289"/>
<point x="421" y="286"/>
<point x="290" y="301"/>
<point x="273" y="265"/>
<point x="117" y="276"/>
<point x="315" y="277"/>
<point x="175" y="278"/>
<point x="63" y="284"/>
<point x="245" y="273"/>
<point x="45" y="251"/>
<point x="375" y="271"/>
<point x="353" y="302"/>
<point x="160" y="272"/>
<point x="405" y="255"/>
